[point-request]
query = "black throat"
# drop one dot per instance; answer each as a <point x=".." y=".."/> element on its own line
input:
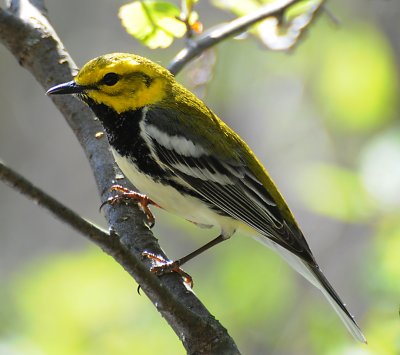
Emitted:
<point x="123" y="133"/>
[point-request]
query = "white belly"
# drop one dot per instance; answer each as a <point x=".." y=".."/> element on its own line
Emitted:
<point x="171" y="200"/>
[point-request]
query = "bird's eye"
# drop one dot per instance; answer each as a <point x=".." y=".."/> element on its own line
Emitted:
<point x="110" y="79"/>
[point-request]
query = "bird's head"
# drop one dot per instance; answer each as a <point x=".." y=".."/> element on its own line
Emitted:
<point x="120" y="81"/>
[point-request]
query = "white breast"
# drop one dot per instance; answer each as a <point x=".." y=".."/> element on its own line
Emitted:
<point x="171" y="200"/>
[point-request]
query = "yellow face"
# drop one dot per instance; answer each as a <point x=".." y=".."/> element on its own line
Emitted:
<point x="123" y="81"/>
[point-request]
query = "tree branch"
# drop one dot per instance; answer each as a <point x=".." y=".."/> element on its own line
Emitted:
<point x="18" y="182"/>
<point x="215" y="35"/>
<point x="26" y="32"/>
<point x="111" y="244"/>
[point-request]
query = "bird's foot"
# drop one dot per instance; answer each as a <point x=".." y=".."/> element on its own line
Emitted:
<point x="132" y="196"/>
<point x="161" y="266"/>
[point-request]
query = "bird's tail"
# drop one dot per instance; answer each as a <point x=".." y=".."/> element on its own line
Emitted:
<point x="314" y="275"/>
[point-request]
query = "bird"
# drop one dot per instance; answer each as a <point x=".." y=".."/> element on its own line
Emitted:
<point x="186" y="160"/>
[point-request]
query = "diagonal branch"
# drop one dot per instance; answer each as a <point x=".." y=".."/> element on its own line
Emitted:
<point x="216" y="35"/>
<point x="18" y="182"/>
<point x="110" y="243"/>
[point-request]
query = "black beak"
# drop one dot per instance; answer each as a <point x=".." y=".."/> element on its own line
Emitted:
<point x="66" y="88"/>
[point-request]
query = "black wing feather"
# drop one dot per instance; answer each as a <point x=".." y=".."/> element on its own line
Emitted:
<point x="244" y="198"/>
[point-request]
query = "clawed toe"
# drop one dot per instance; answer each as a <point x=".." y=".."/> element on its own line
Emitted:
<point x="163" y="266"/>
<point x="128" y="196"/>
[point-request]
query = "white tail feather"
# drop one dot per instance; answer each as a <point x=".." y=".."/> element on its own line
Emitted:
<point x="315" y="276"/>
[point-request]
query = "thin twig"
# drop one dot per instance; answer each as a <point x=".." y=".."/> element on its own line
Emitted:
<point x="215" y="35"/>
<point x="18" y="182"/>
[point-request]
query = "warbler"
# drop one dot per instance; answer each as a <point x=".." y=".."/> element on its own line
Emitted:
<point x="186" y="160"/>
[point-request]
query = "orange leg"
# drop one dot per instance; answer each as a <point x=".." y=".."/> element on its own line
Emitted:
<point x="128" y="196"/>
<point x="163" y="266"/>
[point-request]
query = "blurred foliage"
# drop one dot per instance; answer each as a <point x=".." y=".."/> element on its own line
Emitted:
<point x="355" y="85"/>
<point x="336" y="192"/>
<point x="83" y="304"/>
<point x="386" y="248"/>
<point x="380" y="168"/>
<point x="340" y="87"/>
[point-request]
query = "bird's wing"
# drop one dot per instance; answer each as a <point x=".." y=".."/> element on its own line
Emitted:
<point x="232" y="187"/>
<point x="229" y="185"/>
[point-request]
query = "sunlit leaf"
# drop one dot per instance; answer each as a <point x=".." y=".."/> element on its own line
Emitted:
<point x="154" y="23"/>
<point x="357" y="85"/>
<point x="282" y="34"/>
<point x="335" y="192"/>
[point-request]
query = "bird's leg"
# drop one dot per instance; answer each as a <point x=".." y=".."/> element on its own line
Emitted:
<point x="163" y="266"/>
<point x="128" y="196"/>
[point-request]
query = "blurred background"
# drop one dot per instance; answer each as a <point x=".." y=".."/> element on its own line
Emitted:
<point x="324" y="119"/>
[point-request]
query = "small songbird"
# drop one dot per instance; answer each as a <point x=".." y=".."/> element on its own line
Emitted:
<point x="175" y="150"/>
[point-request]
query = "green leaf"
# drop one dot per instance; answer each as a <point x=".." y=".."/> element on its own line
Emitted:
<point x="154" y="23"/>
<point x="335" y="192"/>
